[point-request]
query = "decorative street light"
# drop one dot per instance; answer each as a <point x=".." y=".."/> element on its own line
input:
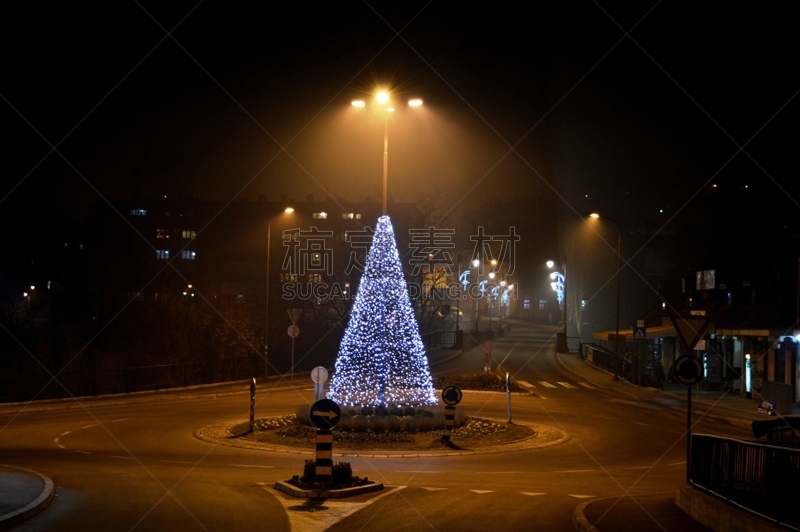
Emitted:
<point x="384" y="100"/>
<point x="463" y="280"/>
<point x="287" y="210"/>
<point x="619" y="266"/>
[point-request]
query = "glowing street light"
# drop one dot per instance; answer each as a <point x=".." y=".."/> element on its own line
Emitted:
<point x="384" y="100"/>
<point x="287" y="210"/>
<point x="596" y="216"/>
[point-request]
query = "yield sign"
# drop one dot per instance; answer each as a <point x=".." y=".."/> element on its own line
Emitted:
<point x="294" y="313"/>
<point x="690" y="330"/>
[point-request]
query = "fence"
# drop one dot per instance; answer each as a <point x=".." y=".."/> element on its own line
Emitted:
<point x="760" y="479"/>
<point x="39" y="384"/>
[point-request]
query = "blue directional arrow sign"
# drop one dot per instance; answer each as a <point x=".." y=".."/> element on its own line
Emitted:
<point x="325" y="414"/>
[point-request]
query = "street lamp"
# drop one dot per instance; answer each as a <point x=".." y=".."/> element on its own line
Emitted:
<point x="287" y="210"/>
<point x="463" y="280"/>
<point x="384" y="100"/>
<point x="619" y="266"/>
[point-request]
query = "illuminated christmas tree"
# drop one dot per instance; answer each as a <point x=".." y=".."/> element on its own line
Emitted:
<point x="381" y="359"/>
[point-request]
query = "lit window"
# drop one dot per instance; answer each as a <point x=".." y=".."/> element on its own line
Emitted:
<point x="542" y="304"/>
<point x="347" y="216"/>
<point x="188" y="234"/>
<point x="188" y="254"/>
<point x="162" y="253"/>
<point x="162" y="233"/>
<point x="138" y="212"/>
<point x="526" y="304"/>
<point x="358" y="216"/>
<point x="320" y="215"/>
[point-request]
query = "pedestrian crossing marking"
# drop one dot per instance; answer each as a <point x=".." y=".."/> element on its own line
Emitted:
<point x="547" y="384"/>
<point x="532" y="493"/>
<point x="566" y="385"/>
<point x="433" y="489"/>
<point x="482" y="492"/>
<point x="587" y="385"/>
<point x="581" y="496"/>
<point x="526" y="384"/>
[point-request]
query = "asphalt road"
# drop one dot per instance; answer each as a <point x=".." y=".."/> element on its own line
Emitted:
<point x="119" y="466"/>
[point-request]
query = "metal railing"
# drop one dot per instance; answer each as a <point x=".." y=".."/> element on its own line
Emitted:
<point x="760" y="479"/>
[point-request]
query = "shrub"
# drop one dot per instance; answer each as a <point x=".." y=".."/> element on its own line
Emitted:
<point x="342" y="474"/>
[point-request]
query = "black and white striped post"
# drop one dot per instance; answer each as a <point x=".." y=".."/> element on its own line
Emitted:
<point x="323" y="465"/>
<point x="324" y="415"/>
<point x="451" y="396"/>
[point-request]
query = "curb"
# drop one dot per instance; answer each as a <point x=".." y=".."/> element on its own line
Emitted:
<point x="294" y="491"/>
<point x="34" y="507"/>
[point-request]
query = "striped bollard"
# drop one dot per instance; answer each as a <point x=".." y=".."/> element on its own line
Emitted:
<point x="323" y="470"/>
<point x="451" y="395"/>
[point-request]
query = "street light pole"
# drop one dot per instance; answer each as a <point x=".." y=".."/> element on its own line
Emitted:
<point x="287" y="210"/>
<point x="619" y="284"/>
<point x="384" y="99"/>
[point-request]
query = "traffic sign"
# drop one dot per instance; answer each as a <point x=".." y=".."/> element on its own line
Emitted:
<point x="639" y="333"/>
<point x="293" y="331"/>
<point x="325" y="414"/>
<point x="690" y="330"/>
<point x="451" y="395"/>
<point x="294" y="314"/>
<point x="688" y="370"/>
<point x="319" y="374"/>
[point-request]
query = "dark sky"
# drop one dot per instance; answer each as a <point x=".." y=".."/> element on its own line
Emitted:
<point x="640" y="108"/>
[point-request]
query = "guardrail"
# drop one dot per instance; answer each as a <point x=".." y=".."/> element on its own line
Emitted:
<point x="759" y="479"/>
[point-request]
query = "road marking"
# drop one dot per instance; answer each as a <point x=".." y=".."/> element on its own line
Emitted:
<point x="587" y="385"/>
<point x="526" y="384"/>
<point x="65" y="433"/>
<point x="433" y="489"/>
<point x="577" y="471"/>
<point x="177" y="462"/>
<point x="256" y="466"/>
<point x="639" y="467"/>
<point x="547" y="384"/>
<point x="415" y="472"/>
<point x="532" y="493"/>
<point x="482" y="492"/>
<point x="88" y="426"/>
<point x="677" y="463"/>
<point x="640" y="423"/>
<point x="566" y="385"/>
<point x="82" y="452"/>
<point x="118" y="420"/>
<point x="122" y="457"/>
<point x="303" y="516"/>
<point x="581" y="496"/>
<point x="56" y="440"/>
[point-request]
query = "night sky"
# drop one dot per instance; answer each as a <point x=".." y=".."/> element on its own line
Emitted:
<point x="629" y="110"/>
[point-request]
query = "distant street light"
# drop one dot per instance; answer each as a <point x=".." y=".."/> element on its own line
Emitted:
<point x="384" y="100"/>
<point x="619" y="266"/>
<point x="287" y="210"/>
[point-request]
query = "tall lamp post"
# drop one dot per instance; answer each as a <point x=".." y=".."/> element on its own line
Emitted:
<point x="559" y="284"/>
<point x="385" y="102"/>
<point x="463" y="281"/>
<point x="619" y="267"/>
<point x="287" y="210"/>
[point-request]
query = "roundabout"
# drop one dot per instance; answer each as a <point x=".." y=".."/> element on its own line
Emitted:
<point x="542" y="436"/>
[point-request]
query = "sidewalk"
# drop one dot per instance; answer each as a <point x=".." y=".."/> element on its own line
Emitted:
<point x="659" y="511"/>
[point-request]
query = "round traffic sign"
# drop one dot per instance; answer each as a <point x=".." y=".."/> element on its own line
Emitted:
<point x="325" y="414"/>
<point x="293" y="331"/>
<point x="688" y="370"/>
<point x="451" y="395"/>
<point x="319" y="374"/>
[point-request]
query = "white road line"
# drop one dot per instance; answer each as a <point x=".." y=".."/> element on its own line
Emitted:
<point x="526" y="384"/>
<point x="87" y="427"/>
<point x="581" y="496"/>
<point x="577" y="471"/>
<point x="65" y="433"/>
<point x="566" y="385"/>
<point x="82" y="452"/>
<point x="122" y="457"/>
<point x="587" y="385"/>
<point x="532" y="493"/>
<point x="433" y="489"/>
<point x="56" y="440"/>
<point x="547" y="384"/>
<point x="640" y="423"/>
<point x="118" y="420"/>
<point x="482" y="492"/>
